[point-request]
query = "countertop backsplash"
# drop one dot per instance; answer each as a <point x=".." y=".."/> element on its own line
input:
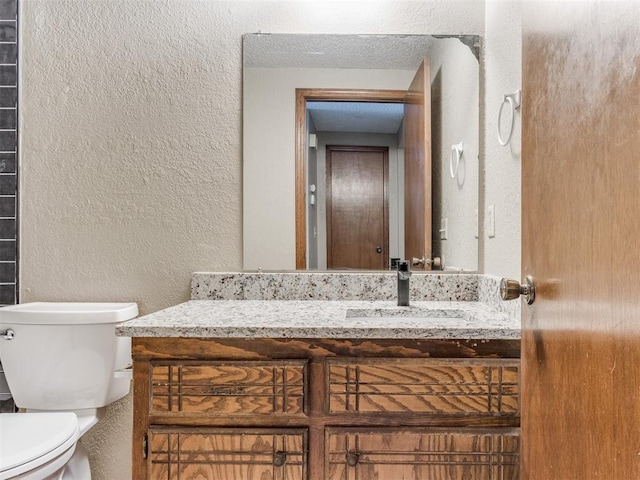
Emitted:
<point x="331" y="286"/>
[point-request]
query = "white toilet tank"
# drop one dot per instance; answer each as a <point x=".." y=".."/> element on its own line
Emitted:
<point x="63" y="355"/>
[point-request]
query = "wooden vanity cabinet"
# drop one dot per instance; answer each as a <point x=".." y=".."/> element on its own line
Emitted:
<point x="325" y="409"/>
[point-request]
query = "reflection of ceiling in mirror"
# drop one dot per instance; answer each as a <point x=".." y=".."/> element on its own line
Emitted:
<point x="335" y="51"/>
<point x="356" y="116"/>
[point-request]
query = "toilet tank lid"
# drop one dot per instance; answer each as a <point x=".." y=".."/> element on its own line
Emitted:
<point x="68" y="313"/>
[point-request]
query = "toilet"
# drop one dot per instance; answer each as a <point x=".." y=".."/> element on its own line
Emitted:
<point x="64" y="364"/>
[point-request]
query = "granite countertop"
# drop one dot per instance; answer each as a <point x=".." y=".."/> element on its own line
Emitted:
<point x="325" y="319"/>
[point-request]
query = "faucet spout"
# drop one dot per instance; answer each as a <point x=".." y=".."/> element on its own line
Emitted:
<point x="404" y="274"/>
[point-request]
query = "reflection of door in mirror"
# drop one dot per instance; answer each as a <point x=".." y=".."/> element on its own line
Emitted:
<point x="319" y="113"/>
<point x="371" y="118"/>
<point x="357" y="207"/>
<point x="417" y="169"/>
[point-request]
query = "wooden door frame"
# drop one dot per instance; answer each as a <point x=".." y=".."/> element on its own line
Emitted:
<point x="418" y="166"/>
<point x="303" y="95"/>
<point x="385" y="217"/>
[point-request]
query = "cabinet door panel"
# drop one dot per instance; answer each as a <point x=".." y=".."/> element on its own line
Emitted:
<point x="227" y="454"/>
<point x="229" y="388"/>
<point x="426" y="386"/>
<point x="419" y="454"/>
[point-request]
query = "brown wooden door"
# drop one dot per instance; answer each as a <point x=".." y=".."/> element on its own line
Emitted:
<point x="421" y="454"/>
<point x="581" y="230"/>
<point x="417" y="166"/>
<point x="357" y="208"/>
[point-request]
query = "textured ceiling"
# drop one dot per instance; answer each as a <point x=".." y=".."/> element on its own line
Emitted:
<point x="356" y="116"/>
<point x="392" y="52"/>
<point x="396" y="52"/>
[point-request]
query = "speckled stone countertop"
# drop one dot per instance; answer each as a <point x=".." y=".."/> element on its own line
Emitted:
<point x="325" y="319"/>
<point x="330" y="286"/>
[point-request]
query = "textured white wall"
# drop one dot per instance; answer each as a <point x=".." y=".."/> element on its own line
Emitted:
<point x="455" y="82"/>
<point x="131" y="145"/>
<point x="503" y="74"/>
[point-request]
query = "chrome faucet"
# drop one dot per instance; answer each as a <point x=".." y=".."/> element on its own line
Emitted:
<point x="404" y="274"/>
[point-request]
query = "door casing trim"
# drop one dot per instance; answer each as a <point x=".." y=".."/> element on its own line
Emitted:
<point x="303" y="95"/>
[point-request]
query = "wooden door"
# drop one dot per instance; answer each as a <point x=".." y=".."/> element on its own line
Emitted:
<point x="357" y="208"/>
<point x="421" y="454"/>
<point x="417" y="166"/>
<point x="581" y="230"/>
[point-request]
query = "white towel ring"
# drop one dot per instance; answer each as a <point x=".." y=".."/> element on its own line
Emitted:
<point x="513" y="100"/>
<point x="454" y="158"/>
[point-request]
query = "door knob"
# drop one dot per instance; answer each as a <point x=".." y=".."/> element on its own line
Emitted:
<point x="512" y="289"/>
<point x="436" y="263"/>
<point x="379" y="249"/>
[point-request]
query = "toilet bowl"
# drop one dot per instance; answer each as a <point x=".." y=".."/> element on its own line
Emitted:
<point x="63" y="363"/>
<point x="36" y="445"/>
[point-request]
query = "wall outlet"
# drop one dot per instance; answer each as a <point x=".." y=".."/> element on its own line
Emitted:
<point x="491" y="221"/>
<point x="444" y="228"/>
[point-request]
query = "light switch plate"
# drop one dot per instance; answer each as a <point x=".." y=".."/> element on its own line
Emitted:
<point x="491" y="221"/>
<point x="444" y="228"/>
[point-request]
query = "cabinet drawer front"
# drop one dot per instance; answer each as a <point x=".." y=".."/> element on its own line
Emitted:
<point x="418" y="454"/>
<point x="423" y="386"/>
<point x="225" y="454"/>
<point x="228" y="388"/>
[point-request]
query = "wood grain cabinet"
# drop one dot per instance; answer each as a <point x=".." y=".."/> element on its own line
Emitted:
<point x="295" y="409"/>
<point x="210" y="453"/>
<point x="418" y="453"/>
<point x="422" y="386"/>
<point x="228" y="388"/>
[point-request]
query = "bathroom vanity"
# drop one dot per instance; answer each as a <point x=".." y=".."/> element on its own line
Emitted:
<point x="333" y="390"/>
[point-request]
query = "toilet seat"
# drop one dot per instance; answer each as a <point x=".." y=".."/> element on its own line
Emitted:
<point x="31" y="440"/>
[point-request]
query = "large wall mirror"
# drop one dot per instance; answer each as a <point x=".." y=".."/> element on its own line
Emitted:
<point x="351" y="152"/>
